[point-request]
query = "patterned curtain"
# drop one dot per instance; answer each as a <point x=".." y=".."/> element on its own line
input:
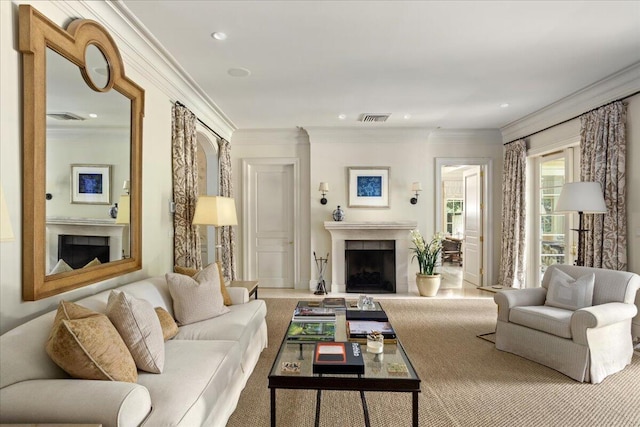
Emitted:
<point x="603" y="153"/>
<point x="227" y="234"/>
<point x="184" y="148"/>
<point x="513" y="215"/>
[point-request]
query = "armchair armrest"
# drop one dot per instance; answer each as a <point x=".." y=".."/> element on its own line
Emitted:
<point x="506" y="300"/>
<point x="110" y="403"/>
<point x="599" y="316"/>
<point x="239" y="295"/>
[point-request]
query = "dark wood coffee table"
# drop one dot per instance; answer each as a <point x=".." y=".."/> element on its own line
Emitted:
<point x="379" y="373"/>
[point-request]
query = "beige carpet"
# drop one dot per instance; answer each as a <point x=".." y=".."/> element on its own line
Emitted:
<point x="465" y="380"/>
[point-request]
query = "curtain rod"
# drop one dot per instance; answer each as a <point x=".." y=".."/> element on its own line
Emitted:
<point x="572" y="118"/>
<point x="201" y="122"/>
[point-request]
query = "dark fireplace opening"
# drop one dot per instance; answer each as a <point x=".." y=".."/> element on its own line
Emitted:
<point x="78" y="251"/>
<point x="370" y="266"/>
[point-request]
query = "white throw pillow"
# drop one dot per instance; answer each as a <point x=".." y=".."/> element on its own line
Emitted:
<point x="566" y="292"/>
<point x="140" y="329"/>
<point x="197" y="298"/>
<point x="60" y="267"/>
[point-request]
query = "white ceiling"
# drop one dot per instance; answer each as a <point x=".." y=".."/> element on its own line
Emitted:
<point x="447" y="64"/>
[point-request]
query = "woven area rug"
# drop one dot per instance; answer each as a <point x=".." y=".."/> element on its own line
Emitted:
<point x="465" y="380"/>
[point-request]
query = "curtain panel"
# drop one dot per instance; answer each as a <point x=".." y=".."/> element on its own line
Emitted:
<point x="227" y="233"/>
<point x="184" y="148"/>
<point x="512" y="259"/>
<point x="603" y="153"/>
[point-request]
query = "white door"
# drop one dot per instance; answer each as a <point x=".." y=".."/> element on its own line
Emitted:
<point x="472" y="248"/>
<point x="270" y="238"/>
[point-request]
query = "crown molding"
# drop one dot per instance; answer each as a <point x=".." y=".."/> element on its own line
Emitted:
<point x="290" y="136"/>
<point x="616" y="86"/>
<point x="465" y="136"/>
<point x="337" y="135"/>
<point x="142" y="52"/>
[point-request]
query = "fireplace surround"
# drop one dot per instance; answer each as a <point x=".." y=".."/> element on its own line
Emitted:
<point x="397" y="231"/>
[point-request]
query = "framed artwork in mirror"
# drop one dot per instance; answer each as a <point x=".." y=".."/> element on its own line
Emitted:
<point x="91" y="184"/>
<point x="368" y="187"/>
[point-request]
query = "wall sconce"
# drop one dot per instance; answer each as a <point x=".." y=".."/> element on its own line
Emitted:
<point x="415" y="188"/>
<point x="126" y="186"/>
<point x="324" y="189"/>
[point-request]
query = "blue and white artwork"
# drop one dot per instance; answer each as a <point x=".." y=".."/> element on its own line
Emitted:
<point x="90" y="183"/>
<point x="369" y="186"/>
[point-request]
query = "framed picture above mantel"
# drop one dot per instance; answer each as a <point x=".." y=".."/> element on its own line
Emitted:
<point x="368" y="187"/>
<point x="91" y="184"/>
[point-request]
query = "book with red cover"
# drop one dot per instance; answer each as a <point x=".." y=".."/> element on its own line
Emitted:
<point x="338" y="358"/>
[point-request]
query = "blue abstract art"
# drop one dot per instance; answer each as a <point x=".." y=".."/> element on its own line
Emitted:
<point x="369" y="186"/>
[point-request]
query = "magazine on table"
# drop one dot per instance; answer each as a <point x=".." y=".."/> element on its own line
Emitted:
<point x="311" y="331"/>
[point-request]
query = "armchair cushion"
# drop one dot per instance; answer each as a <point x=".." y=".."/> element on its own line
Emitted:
<point x="552" y="320"/>
<point x="569" y="293"/>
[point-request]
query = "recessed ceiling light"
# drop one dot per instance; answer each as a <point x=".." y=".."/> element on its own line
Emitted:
<point x="238" y="72"/>
<point x="504" y="105"/>
<point x="219" y="36"/>
<point x="93" y="115"/>
<point x="407" y="116"/>
<point x="342" y="116"/>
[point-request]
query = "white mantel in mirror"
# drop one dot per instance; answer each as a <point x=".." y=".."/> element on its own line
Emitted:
<point x="369" y="230"/>
<point x="83" y="227"/>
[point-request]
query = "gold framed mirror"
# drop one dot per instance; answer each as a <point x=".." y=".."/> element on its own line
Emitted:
<point x="73" y="174"/>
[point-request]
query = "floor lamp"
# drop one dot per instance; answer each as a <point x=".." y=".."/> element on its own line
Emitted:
<point x="217" y="211"/>
<point x="581" y="197"/>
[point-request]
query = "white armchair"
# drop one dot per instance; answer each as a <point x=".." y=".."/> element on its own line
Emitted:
<point x="586" y="344"/>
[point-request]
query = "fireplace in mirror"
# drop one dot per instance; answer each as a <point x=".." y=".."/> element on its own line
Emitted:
<point x="370" y="266"/>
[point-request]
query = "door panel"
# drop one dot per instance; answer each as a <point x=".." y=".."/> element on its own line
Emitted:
<point x="472" y="249"/>
<point x="271" y="225"/>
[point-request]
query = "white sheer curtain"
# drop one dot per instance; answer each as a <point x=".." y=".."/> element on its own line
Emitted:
<point x="512" y="259"/>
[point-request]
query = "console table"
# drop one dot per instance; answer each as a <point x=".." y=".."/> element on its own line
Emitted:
<point x="250" y="285"/>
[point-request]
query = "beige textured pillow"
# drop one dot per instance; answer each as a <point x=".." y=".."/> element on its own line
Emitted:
<point x="86" y="345"/>
<point x="569" y="293"/>
<point x="192" y="272"/>
<point x="168" y="324"/>
<point x="139" y="326"/>
<point x="93" y="262"/>
<point x="197" y="298"/>
<point x="60" y="267"/>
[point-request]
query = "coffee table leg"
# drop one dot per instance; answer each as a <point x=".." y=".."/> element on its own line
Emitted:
<point x="318" y="400"/>
<point x="365" y="410"/>
<point x="273" y="407"/>
<point x="415" y="409"/>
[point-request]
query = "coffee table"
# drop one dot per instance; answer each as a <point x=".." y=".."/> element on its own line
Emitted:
<point x="380" y="373"/>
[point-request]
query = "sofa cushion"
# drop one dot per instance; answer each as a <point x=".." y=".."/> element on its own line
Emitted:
<point x="89" y="346"/>
<point x="193" y="271"/>
<point x="196" y="375"/>
<point x="139" y="326"/>
<point x="168" y="324"/>
<point x="552" y="320"/>
<point x="197" y="298"/>
<point x="569" y="293"/>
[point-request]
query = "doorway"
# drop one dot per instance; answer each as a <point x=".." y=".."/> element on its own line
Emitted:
<point x="208" y="167"/>
<point x="462" y="212"/>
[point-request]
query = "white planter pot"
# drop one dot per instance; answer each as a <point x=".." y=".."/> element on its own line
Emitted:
<point x="428" y="284"/>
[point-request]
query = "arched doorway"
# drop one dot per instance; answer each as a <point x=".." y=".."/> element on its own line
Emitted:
<point x="208" y="178"/>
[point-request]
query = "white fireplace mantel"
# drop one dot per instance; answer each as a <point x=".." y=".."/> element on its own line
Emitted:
<point x="370" y="230"/>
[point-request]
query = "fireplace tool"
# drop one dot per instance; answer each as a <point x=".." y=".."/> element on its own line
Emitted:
<point x="321" y="265"/>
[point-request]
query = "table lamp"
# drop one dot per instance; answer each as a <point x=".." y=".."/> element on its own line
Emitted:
<point x="217" y="211"/>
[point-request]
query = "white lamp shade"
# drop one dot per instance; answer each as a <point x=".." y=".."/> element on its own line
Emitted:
<point x="324" y="187"/>
<point x="583" y="197"/>
<point x="416" y="186"/>
<point x="6" y="232"/>
<point x="215" y="210"/>
<point x="126" y="186"/>
<point x="124" y="210"/>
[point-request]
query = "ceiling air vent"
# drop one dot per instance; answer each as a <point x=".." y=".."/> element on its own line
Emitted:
<point x="369" y="118"/>
<point x="65" y="116"/>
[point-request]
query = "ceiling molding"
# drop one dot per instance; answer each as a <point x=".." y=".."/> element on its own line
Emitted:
<point x="142" y="52"/>
<point x="465" y="136"/>
<point x="327" y="135"/>
<point x="291" y="136"/>
<point x="616" y="86"/>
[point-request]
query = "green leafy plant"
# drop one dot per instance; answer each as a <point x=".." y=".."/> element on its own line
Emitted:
<point x="428" y="255"/>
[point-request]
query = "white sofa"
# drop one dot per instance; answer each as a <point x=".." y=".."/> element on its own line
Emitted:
<point x="206" y="367"/>
<point x="586" y="344"/>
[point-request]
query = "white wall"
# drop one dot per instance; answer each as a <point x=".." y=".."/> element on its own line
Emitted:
<point x="326" y="153"/>
<point x="161" y="87"/>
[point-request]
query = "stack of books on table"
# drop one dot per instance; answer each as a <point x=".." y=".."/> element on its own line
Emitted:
<point x="338" y="358"/>
<point x="357" y="330"/>
<point x="307" y="312"/>
<point x="301" y="332"/>
<point x="376" y="313"/>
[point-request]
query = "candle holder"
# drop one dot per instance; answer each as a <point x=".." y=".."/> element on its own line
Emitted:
<point x="375" y="342"/>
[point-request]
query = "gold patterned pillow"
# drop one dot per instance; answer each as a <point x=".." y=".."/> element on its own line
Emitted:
<point x="86" y="345"/>
<point x="168" y="324"/>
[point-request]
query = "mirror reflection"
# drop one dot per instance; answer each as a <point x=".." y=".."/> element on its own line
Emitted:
<point x="88" y="167"/>
<point x="97" y="66"/>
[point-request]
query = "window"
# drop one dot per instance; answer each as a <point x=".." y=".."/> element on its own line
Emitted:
<point x="454" y="209"/>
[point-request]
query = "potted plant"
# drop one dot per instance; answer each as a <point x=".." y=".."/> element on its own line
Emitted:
<point x="428" y="255"/>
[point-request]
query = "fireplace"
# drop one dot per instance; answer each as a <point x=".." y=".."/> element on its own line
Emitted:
<point x="78" y="251"/>
<point x="370" y="266"/>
